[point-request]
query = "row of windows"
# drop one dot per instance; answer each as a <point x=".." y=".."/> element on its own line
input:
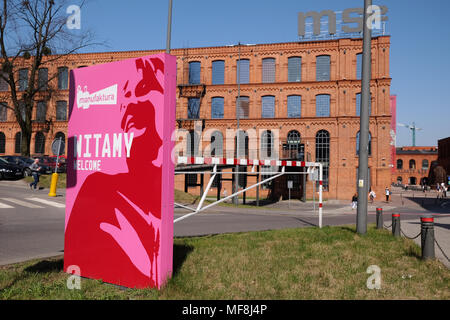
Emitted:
<point x="294" y="106"/>
<point x="323" y="63"/>
<point x="412" y="164"/>
<point x="41" y="111"/>
<point x="39" y="141"/>
<point x="63" y="79"/>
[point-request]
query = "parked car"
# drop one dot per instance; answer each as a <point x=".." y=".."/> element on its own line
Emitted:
<point x="9" y="170"/>
<point x="45" y="168"/>
<point x="19" y="162"/>
<point x="51" y="162"/>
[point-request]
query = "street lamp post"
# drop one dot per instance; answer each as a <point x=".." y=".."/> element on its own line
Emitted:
<point x="361" y="216"/>
<point x="238" y="107"/>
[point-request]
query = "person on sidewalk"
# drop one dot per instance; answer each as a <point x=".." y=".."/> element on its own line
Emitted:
<point x="388" y="193"/>
<point x="372" y="195"/>
<point x="354" y="201"/>
<point x="34" y="167"/>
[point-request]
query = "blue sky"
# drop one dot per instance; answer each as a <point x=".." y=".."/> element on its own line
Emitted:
<point x="419" y="29"/>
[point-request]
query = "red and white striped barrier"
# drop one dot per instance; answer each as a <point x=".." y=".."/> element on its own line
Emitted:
<point x="248" y="162"/>
<point x="256" y="162"/>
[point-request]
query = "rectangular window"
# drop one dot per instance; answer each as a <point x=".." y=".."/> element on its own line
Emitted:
<point x="63" y="78"/>
<point x="268" y="70"/>
<point x="23" y="79"/>
<point x="43" y="79"/>
<point x="323" y="68"/>
<point x="194" y="72"/>
<point x="193" y="108"/>
<point x="218" y="72"/>
<point x="294" y="106"/>
<point x="243" y="107"/>
<point x="217" y="108"/>
<point x="3" y="84"/>
<point x="3" y="111"/>
<point x="41" y="111"/>
<point x="268" y="107"/>
<point x="295" y="69"/>
<point x="61" y="110"/>
<point x="243" y="71"/>
<point x="323" y="105"/>
<point x="359" y="66"/>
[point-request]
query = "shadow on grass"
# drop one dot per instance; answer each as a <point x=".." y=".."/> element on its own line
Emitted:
<point x="46" y="266"/>
<point x="180" y="254"/>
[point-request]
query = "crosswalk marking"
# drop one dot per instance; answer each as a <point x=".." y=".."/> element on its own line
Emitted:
<point x="22" y="203"/>
<point x="50" y="203"/>
<point x="5" y="206"/>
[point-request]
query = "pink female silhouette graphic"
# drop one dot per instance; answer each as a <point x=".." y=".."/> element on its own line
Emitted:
<point x="113" y="230"/>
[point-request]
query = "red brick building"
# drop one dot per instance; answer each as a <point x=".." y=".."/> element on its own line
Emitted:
<point x="413" y="164"/>
<point x="299" y="100"/>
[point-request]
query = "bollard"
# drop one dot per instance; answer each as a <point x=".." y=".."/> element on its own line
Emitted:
<point x="396" y="224"/>
<point x="379" y="218"/>
<point x="52" y="192"/>
<point x="427" y="236"/>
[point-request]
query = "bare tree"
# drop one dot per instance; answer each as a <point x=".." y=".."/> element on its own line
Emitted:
<point x="33" y="33"/>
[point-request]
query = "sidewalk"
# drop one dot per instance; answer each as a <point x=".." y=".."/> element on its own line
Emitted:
<point x="441" y="234"/>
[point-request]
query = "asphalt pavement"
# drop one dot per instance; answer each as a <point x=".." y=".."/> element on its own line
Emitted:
<point x="32" y="223"/>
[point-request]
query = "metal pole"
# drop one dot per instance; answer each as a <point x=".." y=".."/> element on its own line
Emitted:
<point x="57" y="156"/>
<point x="238" y="135"/>
<point x="427" y="236"/>
<point x="169" y="27"/>
<point x="361" y="216"/>
<point x="379" y="218"/>
<point x="396" y="224"/>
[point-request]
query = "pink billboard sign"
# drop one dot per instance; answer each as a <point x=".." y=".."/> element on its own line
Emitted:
<point x="120" y="175"/>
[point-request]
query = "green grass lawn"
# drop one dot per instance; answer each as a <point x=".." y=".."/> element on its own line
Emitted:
<point x="304" y="263"/>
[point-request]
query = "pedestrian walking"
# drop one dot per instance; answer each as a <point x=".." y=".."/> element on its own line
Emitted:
<point x="372" y="195"/>
<point x="354" y="201"/>
<point x="387" y="193"/>
<point x="444" y="190"/>
<point x="34" y="167"/>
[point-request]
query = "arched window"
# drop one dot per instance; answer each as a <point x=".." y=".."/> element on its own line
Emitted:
<point x="18" y="143"/>
<point x="193" y="143"/>
<point x="292" y="146"/>
<point x="63" y="139"/>
<point x="243" y="71"/>
<point x="194" y="72"/>
<point x="2" y="142"/>
<point x="399" y="179"/>
<point x="412" y="164"/>
<point x="268" y="107"/>
<point x="425" y="164"/>
<point x="399" y="164"/>
<point x="412" y="181"/>
<point x="218" y="72"/>
<point x="323" y="68"/>
<point x="266" y="144"/>
<point x="217" y="144"/>
<point x="369" y="146"/>
<point x="294" y="106"/>
<point x="243" y="107"/>
<point x="268" y="70"/>
<point x="39" y="142"/>
<point x="193" y="108"/>
<point x="323" y="153"/>
<point x="217" y="110"/>
<point x="323" y="105"/>
<point x="243" y="144"/>
<point x="358" y="104"/>
<point x="294" y="69"/>
<point x="63" y="77"/>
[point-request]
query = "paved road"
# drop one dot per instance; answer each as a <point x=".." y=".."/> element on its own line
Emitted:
<point x="32" y="224"/>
